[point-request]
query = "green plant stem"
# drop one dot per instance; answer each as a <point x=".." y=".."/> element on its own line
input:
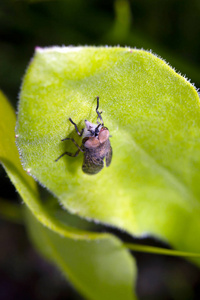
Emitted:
<point x="161" y="251"/>
<point x="13" y="212"/>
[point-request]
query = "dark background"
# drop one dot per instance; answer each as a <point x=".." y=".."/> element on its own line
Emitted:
<point x="170" y="28"/>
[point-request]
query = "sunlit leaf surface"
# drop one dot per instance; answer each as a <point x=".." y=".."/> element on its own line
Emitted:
<point x="152" y="185"/>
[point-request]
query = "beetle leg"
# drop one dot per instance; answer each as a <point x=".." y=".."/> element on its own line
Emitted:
<point x="79" y="133"/>
<point x="75" y="143"/>
<point x="69" y="154"/>
<point x="99" y="112"/>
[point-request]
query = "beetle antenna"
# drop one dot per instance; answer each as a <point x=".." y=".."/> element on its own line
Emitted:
<point x="98" y="112"/>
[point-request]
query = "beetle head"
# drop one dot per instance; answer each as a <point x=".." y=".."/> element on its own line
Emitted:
<point x="91" y="130"/>
<point x="94" y="135"/>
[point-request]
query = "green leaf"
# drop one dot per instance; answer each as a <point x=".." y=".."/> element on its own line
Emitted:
<point x="152" y="185"/>
<point x="99" y="269"/>
<point x="96" y="264"/>
<point x="9" y="156"/>
<point x="25" y="185"/>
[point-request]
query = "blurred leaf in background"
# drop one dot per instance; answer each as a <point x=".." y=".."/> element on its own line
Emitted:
<point x="170" y="28"/>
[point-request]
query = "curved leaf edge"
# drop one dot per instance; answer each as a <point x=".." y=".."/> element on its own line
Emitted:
<point x="150" y="52"/>
<point x="65" y="49"/>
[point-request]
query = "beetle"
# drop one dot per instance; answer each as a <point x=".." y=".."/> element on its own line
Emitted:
<point x="95" y="145"/>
